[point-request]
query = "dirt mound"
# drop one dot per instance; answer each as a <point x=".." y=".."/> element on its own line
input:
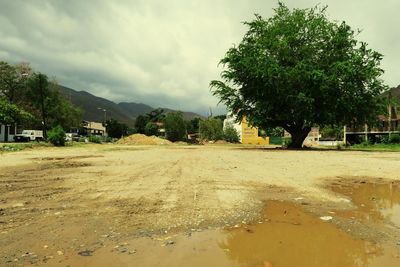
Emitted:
<point x="141" y="139"/>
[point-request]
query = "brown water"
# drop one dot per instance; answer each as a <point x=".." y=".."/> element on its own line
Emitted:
<point x="376" y="202"/>
<point x="288" y="236"/>
<point x="293" y="237"/>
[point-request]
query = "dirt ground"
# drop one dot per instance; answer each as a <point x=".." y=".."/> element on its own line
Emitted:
<point x="57" y="204"/>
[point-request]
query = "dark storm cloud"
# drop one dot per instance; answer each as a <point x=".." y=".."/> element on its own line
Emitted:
<point x="163" y="53"/>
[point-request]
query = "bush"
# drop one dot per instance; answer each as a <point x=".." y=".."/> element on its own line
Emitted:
<point x="231" y="135"/>
<point x="95" y="139"/>
<point x="56" y="136"/>
<point x="211" y="129"/>
<point x="151" y="129"/>
<point x="394" y="139"/>
<point x="175" y="127"/>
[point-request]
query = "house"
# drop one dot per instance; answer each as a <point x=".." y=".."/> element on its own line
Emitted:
<point x="92" y="128"/>
<point x="7" y="132"/>
<point x="247" y="134"/>
<point x="385" y="125"/>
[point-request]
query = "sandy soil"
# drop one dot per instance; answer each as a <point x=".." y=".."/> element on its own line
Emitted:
<point x="62" y="201"/>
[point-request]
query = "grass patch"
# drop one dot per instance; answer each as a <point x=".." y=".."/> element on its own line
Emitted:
<point x="12" y="147"/>
<point x="376" y="147"/>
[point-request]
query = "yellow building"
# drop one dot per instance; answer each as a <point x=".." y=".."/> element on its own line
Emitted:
<point x="247" y="135"/>
<point x="250" y="135"/>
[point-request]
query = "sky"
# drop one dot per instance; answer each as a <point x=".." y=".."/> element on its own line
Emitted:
<point x="162" y="53"/>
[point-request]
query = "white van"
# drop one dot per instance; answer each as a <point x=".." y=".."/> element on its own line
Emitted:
<point x="29" y="135"/>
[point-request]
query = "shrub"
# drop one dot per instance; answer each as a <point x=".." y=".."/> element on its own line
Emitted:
<point x="211" y="129"/>
<point x="175" y="127"/>
<point x="231" y="135"/>
<point x="394" y="139"/>
<point x="56" y="136"/>
<point x="95" y="139"/>
<point x="151" y="129"/>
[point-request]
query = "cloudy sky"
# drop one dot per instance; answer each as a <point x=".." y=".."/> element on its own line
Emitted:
<point x="162" y="53"/>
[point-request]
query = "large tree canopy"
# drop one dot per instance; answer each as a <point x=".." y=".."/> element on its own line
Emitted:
<point x="297" y="69"/>
<point x="11" y="114"/>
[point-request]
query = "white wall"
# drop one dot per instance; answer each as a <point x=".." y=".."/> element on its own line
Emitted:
<point x="3" y="133"/>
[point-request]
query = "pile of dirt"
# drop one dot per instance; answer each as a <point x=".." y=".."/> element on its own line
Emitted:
<point x="141" y="139"/>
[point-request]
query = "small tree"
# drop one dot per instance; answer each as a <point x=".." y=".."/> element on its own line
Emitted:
<point x="298" y="69"/>
<point x="151" y="129"/>
<point x="231" y="135"/>
<point x="175" y="127"/>
<point x="140" y="123"/>
<point x="56" y="136"/>
<point x="211" y="129"/>
<point x="116" y="129"/>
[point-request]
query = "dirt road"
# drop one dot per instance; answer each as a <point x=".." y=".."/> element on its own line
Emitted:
<point x="57" y="203"/>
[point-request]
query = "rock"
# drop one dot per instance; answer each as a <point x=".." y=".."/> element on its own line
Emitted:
<point x="122" y="250"/>
<point x="267" y="264"/>
<point x="86" y="253"/>
<point x="60" y="253"/>
<point x="132" y="251"/>
<point x="326" y="218"/>
<point x="170" y="242"/>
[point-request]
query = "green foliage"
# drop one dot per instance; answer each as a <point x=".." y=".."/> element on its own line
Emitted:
<point x="297" y="69"/>
<point x="275" y="131"/>
<point x="331" y="132"/>
<point x="13" y="81"/>
<point x="175" y="127"/>
<point x="140" y="123"/>
<point x="156" y="115"/>
<point x="151" y="129"/>
<point x="394" y="139"/>
<point x="192" y="126"/>
<point x="231" y="135"/>
<point x="56" y="136"/>
<point x="95" y="139"/>
<point x="375" y="147"/>
<point x="116" y="129"/>
<point x="10" y="113"/>
<point x="211" y="129"/>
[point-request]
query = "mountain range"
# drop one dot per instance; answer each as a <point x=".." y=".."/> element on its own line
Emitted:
<point x="93" y="107"/>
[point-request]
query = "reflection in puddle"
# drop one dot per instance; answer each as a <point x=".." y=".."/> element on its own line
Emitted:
<point x="375" y="201"/>
<point x="292" y="237"/>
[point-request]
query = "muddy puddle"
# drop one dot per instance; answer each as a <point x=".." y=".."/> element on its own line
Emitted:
<point x="293" y="237"/>
<point x="376" y="202"/>
<point x="287" y="236"/>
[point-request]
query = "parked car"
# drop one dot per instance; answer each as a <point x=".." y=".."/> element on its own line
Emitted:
<point x="29" y="135"/>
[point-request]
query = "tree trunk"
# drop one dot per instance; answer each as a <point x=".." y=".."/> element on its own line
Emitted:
<point x="298" y="137"/>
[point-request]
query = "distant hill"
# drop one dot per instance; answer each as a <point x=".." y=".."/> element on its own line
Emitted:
<point x="395" y="92"/>
<point x="124" y="112"/>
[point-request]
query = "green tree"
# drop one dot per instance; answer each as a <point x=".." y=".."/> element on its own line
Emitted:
<point x="39" y="91"/>
<point x="140" y="123"/>
<point x="211" y="129"/>
<point x="175" y="127"/>
<point x="50" y="105"/>
<point x="156" y="115"/>
<point x="57" y="136"/>
<point x="231" y="135"/>
<point x="297" y="69"/>
<point x="116" y="129"/>
<point x="11" y="113"/>
<point x="151" y="129"/>
<point x="13" y="81"/>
